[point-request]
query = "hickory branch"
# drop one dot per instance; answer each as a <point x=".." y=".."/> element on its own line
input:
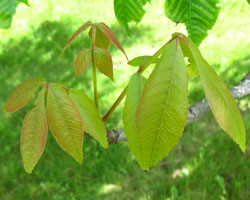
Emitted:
<point x="195" y="111"/>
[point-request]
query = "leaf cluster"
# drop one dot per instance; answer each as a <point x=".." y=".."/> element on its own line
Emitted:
<point x="155" y="111"/>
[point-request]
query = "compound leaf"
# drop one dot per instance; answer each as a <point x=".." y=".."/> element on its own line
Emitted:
<point x="162" y="111"/>
<point x="34" y="134"/>
<point x="92" y="121"/>
<point x="135" y="88"/>
<point x="82" y="61"/>
<point x="199" y="16"/>
<point x="103" y="62"/>
<point x="23" y="93"/>
<point x="65" y="121"/>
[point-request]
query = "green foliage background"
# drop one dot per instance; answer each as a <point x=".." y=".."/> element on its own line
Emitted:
<point x="206" y="164"/>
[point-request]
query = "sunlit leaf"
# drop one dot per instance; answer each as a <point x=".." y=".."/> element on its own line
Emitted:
<point x="101" y="40"/>
<point x="162" y="110"/>
<point x="134" y="92"/>
<point x="199" y="16"/>
<point x="7" y="10"/>
<point x="221" y="101"/>
<point x="82" y="61"/>
<point x="34" y="134"/>
<point x="129" y="11"/>
<point x="140" y="60"/>
<point x="103" y="62"/>
<point x="79" y="31"/>
<point x="23" y="93"/>
<point x="65" y="121"/>
<point x="109" y="33"/>
<point x="92" y="121"/>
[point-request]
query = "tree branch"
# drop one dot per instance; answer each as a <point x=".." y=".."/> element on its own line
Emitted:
<point x="195" y="111"/>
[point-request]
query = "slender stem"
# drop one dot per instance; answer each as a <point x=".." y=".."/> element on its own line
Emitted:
<point x="93" y="33"/>
<point x="114" y="106"/>
<point x="94" y="79"/>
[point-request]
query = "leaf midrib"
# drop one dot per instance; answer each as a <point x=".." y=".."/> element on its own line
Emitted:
<point x="64" y="117"/>
<point x="165" y="106"/>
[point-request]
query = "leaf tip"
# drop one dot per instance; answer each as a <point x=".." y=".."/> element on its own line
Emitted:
<point x="79" y="160"/>
<point x="105" y="145"/>
<point x="243" y="148"/>
<point x="28" y="171"/>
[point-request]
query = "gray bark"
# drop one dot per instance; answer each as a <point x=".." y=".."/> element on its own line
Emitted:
<point x="195" y="111"/>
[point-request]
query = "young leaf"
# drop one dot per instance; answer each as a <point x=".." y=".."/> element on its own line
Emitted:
<point x="162" y="110"/>
<point x="141" y="60"/>
<point x="34" y="134"/>
<point x="101" y="40"/>
<point x="199" y="16"/>
<point x="103" y="62"/>
<point x="135" y="88"/>
<point x="82" y="61"/>
<point x="90" y="116"/>
<point x="80" y="30"/>
<point x="221" y="101"/>
<point x="109" y="33"/>
<point x="23" y="93"/>
<point x="65" y="121"/>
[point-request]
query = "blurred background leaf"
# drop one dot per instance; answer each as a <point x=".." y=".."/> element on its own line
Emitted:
<point x="7" y="10"/>
<point x="129" y="11"/>
<point x="198" y="16"/>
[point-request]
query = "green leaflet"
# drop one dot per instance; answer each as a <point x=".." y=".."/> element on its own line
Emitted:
<point x="7" y="10"/>
<point x="65" y="121"/>
<point x="34" y="134"/>
<point x="82" y="61"/>
<point x="141" y="60"/>
<point x="162" y="110"/>
<point x="191" y="67"/>
<point x="221" y="101"/>
<point x="128" y="11"/>
<point x="23" y="93"/>
<point x="101" y="40"/>
<point x="134" y="92"/>
<point x="90" y="116"/>
<point x="103" y="62"/>
<point x="199" y="16"/>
